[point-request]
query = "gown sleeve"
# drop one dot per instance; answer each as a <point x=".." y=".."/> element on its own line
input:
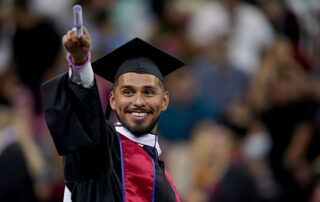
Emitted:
<point x="73" y="114"/>
<point x="77" y="123"/>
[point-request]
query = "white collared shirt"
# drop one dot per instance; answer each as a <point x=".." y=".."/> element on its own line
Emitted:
<point x="147" y="139"/>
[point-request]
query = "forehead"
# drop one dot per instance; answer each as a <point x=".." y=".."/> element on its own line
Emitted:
<point x="138" y="80"/>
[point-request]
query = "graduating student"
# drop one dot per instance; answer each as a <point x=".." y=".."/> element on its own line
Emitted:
<point x="104" y="161"/>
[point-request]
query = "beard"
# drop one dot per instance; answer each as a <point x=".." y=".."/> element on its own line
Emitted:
<point x="139" y="131"/>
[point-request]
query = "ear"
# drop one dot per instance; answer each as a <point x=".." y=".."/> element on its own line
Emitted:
<point x="112" y="100"/>
<point x="165" y="101"/>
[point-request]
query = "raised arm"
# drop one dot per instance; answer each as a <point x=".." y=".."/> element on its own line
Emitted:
<point x="71" y="102"/>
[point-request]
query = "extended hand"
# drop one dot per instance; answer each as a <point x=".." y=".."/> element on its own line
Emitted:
<point x="77" y="47"/>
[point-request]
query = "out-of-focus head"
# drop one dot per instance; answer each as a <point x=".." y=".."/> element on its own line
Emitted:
<point x="208" y="24"/>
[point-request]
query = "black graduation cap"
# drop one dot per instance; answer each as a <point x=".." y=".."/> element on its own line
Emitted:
<point x="136" y="56"/>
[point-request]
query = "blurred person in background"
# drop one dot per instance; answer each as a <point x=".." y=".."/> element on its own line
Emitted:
<point x="17" y="183"/>
<point x="256" y="148"/>
<point x="282" y="102"/>
<point x="251" y="34"/>
<point x="25" y="33"/>
<point x="279" y="56"/>
<point x="218" y="175"/>
<point x="285" y="22"/>
<point x="220" y="83"/>
<point x="21" y="163"/>
<point x="33" y="37"/>
<point x="254" y="145"/>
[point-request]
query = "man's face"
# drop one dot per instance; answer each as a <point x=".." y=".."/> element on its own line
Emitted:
<point x="138" y="100"/>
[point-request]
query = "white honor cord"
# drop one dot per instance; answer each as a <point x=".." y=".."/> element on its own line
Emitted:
<point x="77" y="19"/>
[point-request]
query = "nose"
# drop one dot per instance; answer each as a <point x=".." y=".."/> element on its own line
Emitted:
<point x="138" y="100"/>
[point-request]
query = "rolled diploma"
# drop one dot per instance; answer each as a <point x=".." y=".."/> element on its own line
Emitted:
<point x="77" y="19"/>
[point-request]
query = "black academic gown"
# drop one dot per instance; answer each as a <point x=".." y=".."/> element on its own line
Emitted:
<point x="89" y="144"/>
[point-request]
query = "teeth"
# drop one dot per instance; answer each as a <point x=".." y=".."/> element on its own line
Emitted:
<point x="139" y="114"/>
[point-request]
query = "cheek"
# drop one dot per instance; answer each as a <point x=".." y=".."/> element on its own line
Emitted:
<point x="120" y="103"/>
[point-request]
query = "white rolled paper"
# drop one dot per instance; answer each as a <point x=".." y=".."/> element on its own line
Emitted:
<point x="77" y="19"/>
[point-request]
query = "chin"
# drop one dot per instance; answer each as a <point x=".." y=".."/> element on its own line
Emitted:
<point x="139" y="128"/>
<point x="139" y="132"/>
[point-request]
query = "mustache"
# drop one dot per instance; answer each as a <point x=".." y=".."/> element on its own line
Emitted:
<point x="139" y="109"/>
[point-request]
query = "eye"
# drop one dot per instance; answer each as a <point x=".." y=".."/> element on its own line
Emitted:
<point x="127" y="92"/>
<point x="149" y="92"/>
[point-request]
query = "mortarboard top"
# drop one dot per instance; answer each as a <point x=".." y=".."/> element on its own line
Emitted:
<point x="136" y="56"/>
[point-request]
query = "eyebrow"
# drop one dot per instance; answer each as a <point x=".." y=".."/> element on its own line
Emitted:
<point x="150" y="87"/>
<point x="126" y="86"/>
<point x="144" y="87"/>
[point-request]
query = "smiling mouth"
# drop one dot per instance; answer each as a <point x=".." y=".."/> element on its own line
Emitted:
<point x="139" y="114"/>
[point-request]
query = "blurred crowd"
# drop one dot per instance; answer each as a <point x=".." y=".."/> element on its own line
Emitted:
<point x="243" y="123"/>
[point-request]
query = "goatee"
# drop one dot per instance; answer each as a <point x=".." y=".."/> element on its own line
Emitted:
<point x="139" y="131"/>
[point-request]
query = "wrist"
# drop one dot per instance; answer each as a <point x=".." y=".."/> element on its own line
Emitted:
<point x="77" y="64"/>
<point x="78" y="61"/>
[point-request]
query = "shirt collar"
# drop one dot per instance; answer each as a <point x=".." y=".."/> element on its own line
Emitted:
<point x="147" y="139"/>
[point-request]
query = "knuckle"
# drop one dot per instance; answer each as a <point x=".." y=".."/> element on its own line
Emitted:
<point x="73" y="40"/>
